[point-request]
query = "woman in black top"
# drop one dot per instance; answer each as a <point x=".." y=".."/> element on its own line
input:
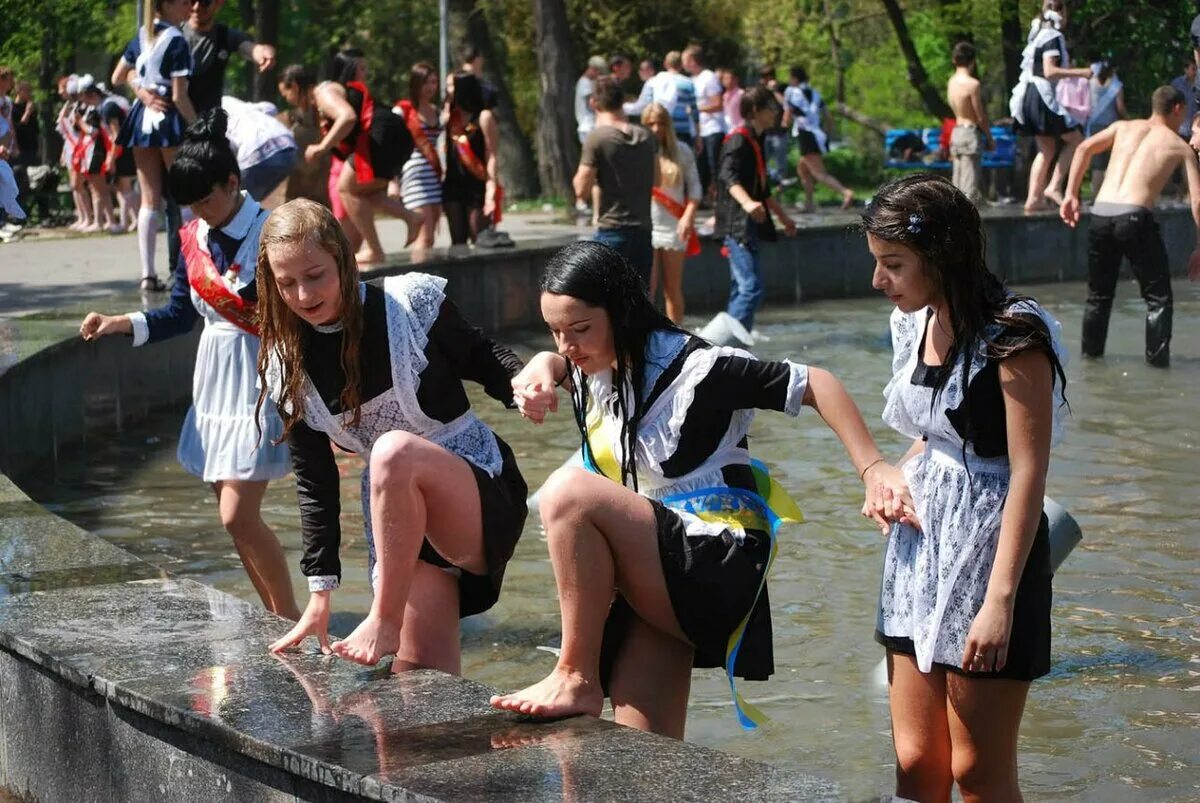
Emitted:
<point x="370" y="144"/>
<point x="379" y="372"/>
<point x="471" y="189"/>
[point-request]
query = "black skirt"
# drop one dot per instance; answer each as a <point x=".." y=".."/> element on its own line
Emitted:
<point x="712" y="581"/>
<point x="808" y="143"/>
<point x="1029" y="643"/>
<point x="502" y="503"/>
<point x="1040" y="120"/>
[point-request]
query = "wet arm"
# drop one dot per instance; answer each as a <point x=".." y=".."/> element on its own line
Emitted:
<point x="332" y="103"/>
<point x="1096" y="143"/>
<point x="178" y="316"/>
<point x="826" y="394"/>
<point x="1026" y="382"/>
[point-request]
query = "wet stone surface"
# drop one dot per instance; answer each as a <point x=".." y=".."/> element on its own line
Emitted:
<point x="194" y="658"/>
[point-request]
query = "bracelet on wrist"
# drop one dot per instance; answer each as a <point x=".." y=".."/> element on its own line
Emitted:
<point x="863" y="474"/>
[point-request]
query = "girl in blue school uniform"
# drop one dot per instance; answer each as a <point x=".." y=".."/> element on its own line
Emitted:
<point x="215" y="281"/>
<point x="154" y="128"/>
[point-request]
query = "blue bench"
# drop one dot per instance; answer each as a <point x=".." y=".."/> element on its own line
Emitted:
<point x="1003" y="156"/>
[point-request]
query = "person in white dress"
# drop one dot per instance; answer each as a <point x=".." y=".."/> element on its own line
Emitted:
<point x="662" y="543"/>
<point x="224" y="440"/>
<point x="673" y="212"/>
<point x="977" y="384"/>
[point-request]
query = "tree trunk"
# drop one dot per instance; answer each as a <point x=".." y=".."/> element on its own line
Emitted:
<point x="1012" y="39"/>
<point x="558" y="144"/>
<point x="48" y="139"/>
<point x="266" y="24"/>
<point x="518" y="172"/>
<point x="917" y="76"/>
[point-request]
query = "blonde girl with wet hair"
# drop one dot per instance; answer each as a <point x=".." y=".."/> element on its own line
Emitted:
<point x="673" y="211"/>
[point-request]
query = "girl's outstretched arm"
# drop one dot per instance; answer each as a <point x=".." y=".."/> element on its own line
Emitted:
<point x="535" y="388"/>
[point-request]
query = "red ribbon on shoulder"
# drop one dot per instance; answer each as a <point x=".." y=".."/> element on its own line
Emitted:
<point x="360" y="148"/>
<point x="675" y="209"/>
<point x="416" y="127"/>
<point x="208" y="283"/>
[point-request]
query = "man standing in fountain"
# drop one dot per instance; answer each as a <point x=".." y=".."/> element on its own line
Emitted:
<point x="1144" y="155"/>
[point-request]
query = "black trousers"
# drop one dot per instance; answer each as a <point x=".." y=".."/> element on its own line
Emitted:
<point x="1136" y="236"/>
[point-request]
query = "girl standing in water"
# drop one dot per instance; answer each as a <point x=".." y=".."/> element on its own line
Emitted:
<point x="379" y="372"/>
<point x="672" y="518"/>
<point x="214" y="281"/>
<point x="965" y="601"/>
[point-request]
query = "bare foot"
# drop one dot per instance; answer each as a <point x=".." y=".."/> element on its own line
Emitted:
<point x="1036" y="206"/>
<point x="559" y="694"/>
<point x="371" y="641"/>
<point x="1054" y="197"/>
<point x="847" y="199"/>
<point x="367" y="258"/>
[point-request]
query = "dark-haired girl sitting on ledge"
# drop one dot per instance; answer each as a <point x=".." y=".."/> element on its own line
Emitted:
<point x="214" y="281"/>
<point x="661" y="546"/>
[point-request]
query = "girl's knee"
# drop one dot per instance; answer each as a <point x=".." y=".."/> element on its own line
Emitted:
<point x="395" y="455"/>
<point x="981" y="777"/>
<point x="562" y="494"/>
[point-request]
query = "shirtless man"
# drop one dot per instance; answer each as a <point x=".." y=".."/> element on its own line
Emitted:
<point x="972" y="134"/>
<point x="1144" y="155"/>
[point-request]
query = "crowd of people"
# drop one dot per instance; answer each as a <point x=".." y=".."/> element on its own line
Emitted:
<point x="661" y="543"/>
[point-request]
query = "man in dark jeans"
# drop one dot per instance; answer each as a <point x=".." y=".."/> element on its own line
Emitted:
<point x="1144" y="155"/>
<point x="619" y="158"/>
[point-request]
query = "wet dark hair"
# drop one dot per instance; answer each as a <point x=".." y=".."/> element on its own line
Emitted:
<point x="297" y="75"/>
<point x="963" y="54"/>
<point x="1165" y="99"/>
<point x="600" y="277"/>
<point x="468" y="93"/>
<point x="928" y="214"/>
<point x="345" y="64"/>
<point x="204" y="160"/>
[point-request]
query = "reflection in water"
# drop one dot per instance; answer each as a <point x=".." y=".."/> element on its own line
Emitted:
<point x="1116" y="719"/>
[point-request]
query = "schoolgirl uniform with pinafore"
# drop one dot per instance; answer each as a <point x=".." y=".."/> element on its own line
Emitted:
<point x="415" y="351"/>
<point x="157" y="63"/>
<point x="716" y="508"/>
<point x="1034" y="105"/>
<point x="935" y="579"/>
<point x="214" y="281"/>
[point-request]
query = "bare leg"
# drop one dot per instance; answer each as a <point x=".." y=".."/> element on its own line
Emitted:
<point x="429" y="637"/>
<point x="394" y="206"/>
<point x="651" y="680"/>
<point x="1039" y="172"/>
<point x="806" y="178"/>
<point x="427" y="234"/>
<point x="984" y="717"/>
<point x="1053" y="191"/>
<point x="672" y="276"/>
<point x="83" y="202"/>
<point x="919" y="730"/>
<point x="418" y="490"/>
<point x="360" y="210"/>
<point x="603" y="538"/>
<point x="240" y="502"/>
<point x="102" y="200"/>
<point x="816" y="169"/>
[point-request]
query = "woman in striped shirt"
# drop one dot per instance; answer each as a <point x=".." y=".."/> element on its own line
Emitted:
<point x="421" y="181"/>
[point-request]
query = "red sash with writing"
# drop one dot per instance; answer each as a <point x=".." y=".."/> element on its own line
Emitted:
<point x="416" y="127"/>
<point x="208" y="283"/>
<point x="675" y="209"/>
<point x="759" y="163"/>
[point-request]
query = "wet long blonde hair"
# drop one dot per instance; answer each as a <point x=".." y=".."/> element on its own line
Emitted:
<point x="668" y="145"/>
<point x="282" y="332"/>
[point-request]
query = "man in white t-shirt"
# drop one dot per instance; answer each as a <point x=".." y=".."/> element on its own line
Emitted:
<point x="709" y="94"/>
<point x="585" y="112"/>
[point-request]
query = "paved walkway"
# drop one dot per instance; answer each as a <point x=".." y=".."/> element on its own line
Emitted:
<point x="53" y="269"/>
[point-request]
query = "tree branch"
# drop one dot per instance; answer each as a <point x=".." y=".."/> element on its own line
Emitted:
<point x="917" y="76"/>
